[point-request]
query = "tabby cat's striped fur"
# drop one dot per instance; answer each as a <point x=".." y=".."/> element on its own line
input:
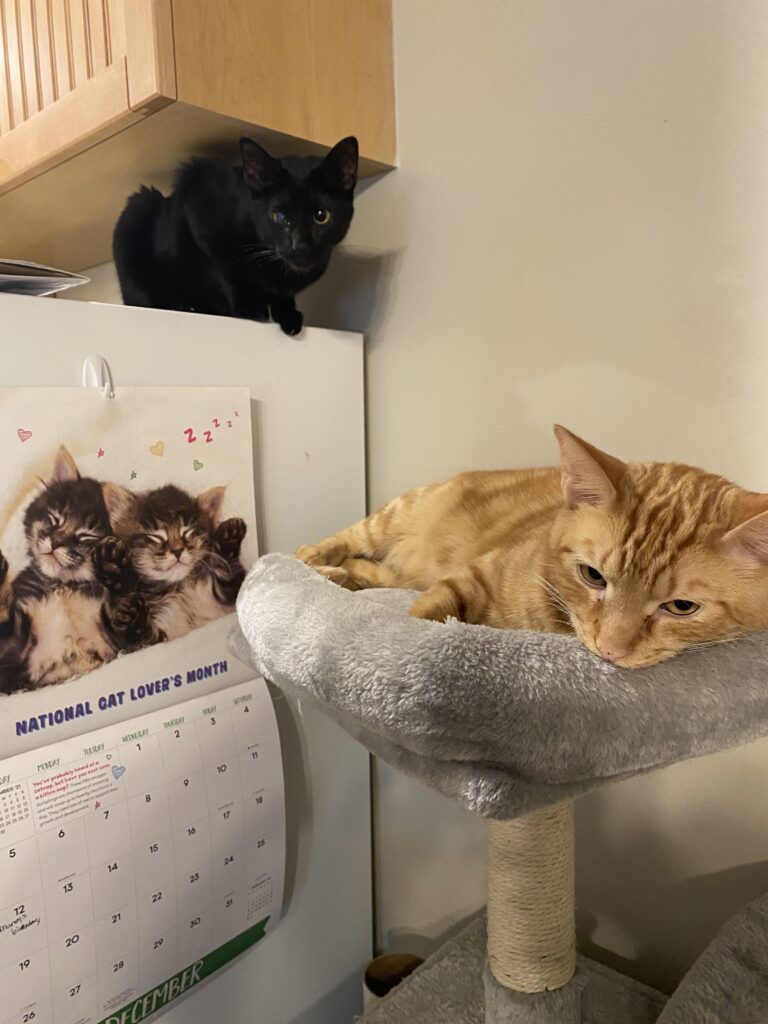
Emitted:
<point x="639" y="560"/>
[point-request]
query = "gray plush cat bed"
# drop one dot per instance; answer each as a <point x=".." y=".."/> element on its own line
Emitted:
<point x="513" y="725"/>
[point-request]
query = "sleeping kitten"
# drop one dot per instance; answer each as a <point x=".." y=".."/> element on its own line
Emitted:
<point x="639" y="560"/>
<point x="13" y="676"/>
<point x="187" y="562"/>
<point x="237" y="241"/>
<point x="60" y="613"/>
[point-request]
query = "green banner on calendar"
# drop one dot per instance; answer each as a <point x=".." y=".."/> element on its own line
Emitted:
<point x="183" y="981"/>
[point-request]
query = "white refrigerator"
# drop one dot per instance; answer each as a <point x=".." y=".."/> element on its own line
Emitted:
<point x="308" y="426"/>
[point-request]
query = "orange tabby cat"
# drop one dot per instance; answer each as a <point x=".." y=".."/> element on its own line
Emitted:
<point x="640" y="560"/>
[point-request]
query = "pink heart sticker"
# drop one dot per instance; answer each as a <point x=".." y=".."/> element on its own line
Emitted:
<point x="23" y="435"/>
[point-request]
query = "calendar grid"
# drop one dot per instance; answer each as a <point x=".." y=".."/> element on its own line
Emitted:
<point x="149" y="848"/>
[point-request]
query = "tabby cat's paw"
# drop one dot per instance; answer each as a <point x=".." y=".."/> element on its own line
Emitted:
<point x="334" y="573"/>
<point x="439" y="604"/>
<point x="291" y="323"/>
<point x="326" y="554"/>
<point x="130" y="619"/>
<point x="309" y="553"/>
<point x="112" y="564"/>
<point x="229" y="536"/>
<point x="320" y="558"/>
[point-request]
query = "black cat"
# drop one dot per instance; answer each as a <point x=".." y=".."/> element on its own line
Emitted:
<point x="237" y="241"/>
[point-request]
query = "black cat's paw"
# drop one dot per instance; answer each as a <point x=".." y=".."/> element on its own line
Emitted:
<point x="130" y="619"/>
<point x="112" y="564"/>
<point x="3" y="568"/>
<point x="259" y="313"/>
<point x="291" y="323"/>
<point x="229" y="536"/>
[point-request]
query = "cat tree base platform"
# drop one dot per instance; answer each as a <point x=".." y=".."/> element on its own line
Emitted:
<point x="450" y="989"/>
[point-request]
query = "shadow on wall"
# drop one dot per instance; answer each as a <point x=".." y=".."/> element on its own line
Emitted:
<point x="354" y="293"/>
<point x="405" y="940"/>
<point x="643" y="899"/>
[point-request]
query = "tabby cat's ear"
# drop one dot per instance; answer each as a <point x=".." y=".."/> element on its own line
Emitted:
<point x="749" y="540"/>
<point x="340" y="165"/>
<point x="211" y="501"/>
<point x="587" y="475"/>
<point x="120" y="503"/>
<point x="260" y="170"/>
<point x="64" y="467"/>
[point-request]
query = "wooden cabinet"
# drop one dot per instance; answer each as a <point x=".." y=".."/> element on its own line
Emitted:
<point x="98" y="96"/>
<point x="75" y="72"/>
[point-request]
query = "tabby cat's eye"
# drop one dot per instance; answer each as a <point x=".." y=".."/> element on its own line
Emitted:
<point x="681" y="607"/>
<point x="321" y="216"/>
<point x="591" y="576"/>
<point x="278" y="217"/>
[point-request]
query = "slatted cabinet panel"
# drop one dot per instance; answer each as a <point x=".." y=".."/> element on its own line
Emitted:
<point x="49" y="47"/>
<point x="66" y="75"/>
<point x="14" y="64"/>
<point x="46" y="78"/>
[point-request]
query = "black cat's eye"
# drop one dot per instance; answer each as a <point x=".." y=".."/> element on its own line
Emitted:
<point x="321" y="216"/>
<point x="680" y="607"/>
<point x="591" y="576"/>
<point x="278" y="217"/>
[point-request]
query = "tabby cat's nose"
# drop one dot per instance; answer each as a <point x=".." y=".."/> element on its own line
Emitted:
<point x="612" y="650"/>
<point x="178" y="552"/>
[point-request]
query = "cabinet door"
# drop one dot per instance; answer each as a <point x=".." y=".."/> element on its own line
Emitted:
<point x="73" y="72"/>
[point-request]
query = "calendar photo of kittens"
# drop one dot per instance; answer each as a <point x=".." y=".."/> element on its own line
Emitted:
<point x="125" y="523"/>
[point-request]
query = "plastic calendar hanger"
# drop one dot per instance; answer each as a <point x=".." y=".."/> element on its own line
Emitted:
<point x="95" y="373"/>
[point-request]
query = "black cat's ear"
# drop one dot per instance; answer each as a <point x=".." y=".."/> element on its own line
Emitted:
<point x="340" y="165"/>
<point x="211" y="501"/>
<point x="64" y="467"/>
<point x="260" y="170"/>
<point x="120" y="503"/>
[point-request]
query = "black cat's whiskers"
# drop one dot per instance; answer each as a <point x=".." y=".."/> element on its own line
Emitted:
<point x="255" y="247"/>
<point x="253" y="253"/>
<point x="260" y="259"/>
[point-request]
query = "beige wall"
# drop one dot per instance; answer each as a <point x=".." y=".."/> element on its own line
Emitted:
<point x="578" y="232"/>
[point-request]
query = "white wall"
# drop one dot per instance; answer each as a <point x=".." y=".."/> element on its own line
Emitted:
<point x="578" y="232"/>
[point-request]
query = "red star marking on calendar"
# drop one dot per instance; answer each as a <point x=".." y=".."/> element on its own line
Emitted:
<point x="98" y="805"/>
<point x="100" y="453"/>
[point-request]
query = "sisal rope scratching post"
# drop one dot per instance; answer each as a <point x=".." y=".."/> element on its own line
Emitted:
<point x="531" y="903"/>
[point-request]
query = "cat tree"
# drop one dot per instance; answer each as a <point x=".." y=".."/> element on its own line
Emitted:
<point x="513" y="725"/>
